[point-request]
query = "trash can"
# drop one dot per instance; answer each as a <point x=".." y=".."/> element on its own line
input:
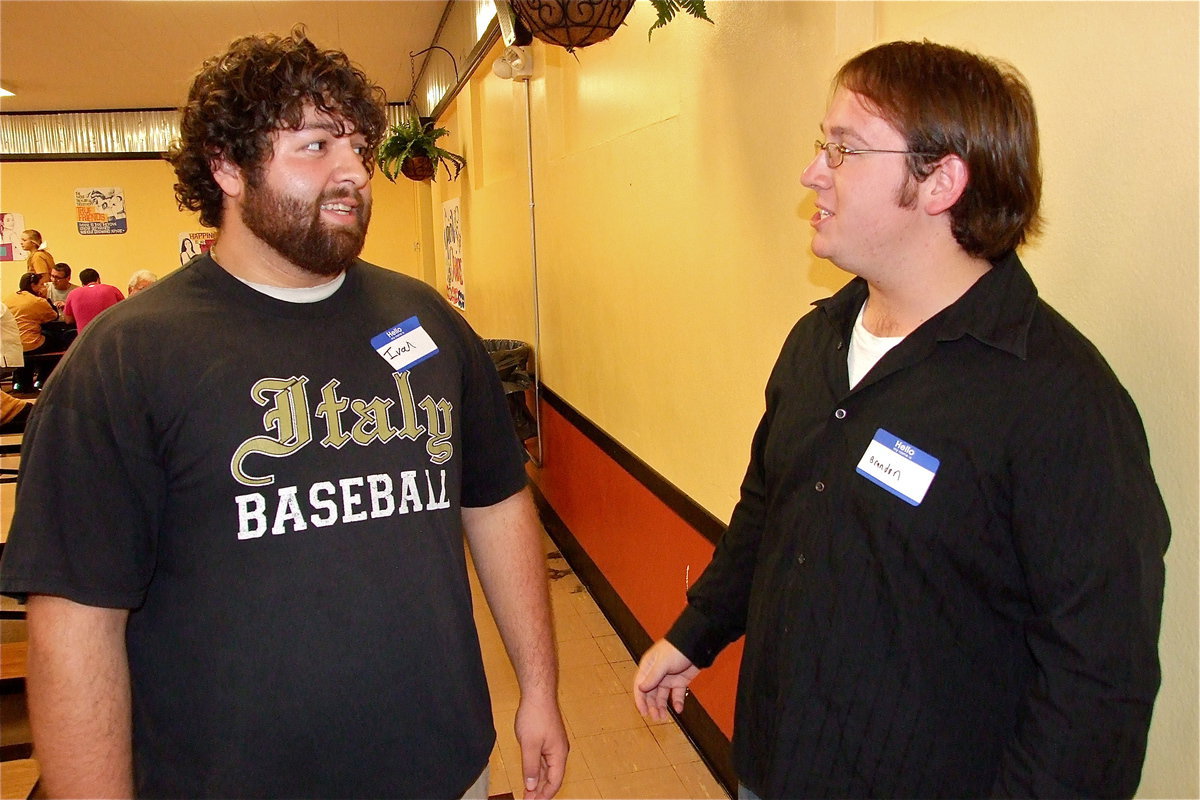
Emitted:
<point x="511" y="358"/>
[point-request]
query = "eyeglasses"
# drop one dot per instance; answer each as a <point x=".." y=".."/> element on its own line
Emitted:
<point x="836" y="153"/>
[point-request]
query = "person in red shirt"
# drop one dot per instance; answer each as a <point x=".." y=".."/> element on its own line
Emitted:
<point x="88" y="300"/>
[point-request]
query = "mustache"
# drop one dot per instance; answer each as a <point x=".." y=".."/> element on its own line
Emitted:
<point x="342" y="194"/>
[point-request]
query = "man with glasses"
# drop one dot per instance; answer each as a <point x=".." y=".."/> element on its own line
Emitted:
<point x="947" y="559"/>
<point x="60" y="285"/>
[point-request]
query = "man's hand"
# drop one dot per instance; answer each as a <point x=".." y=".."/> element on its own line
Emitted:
<point x="663" y="675"/>
<point x="544" y="747"/>
<point x="506" y="544"/>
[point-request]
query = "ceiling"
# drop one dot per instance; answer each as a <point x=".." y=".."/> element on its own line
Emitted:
<point x="58" y="55"/>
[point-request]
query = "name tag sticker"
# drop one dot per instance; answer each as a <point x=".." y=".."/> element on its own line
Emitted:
<point x="405" y="345"/>
<point x="897" y="466"/>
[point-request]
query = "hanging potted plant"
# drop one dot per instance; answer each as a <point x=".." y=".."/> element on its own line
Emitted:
<point x="410" y="149"/>
<point x="579" y="23"/>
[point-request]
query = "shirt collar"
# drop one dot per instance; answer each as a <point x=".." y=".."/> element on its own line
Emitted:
<point x="997" y="310"/>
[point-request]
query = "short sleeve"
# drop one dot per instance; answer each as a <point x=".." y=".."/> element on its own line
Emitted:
<point x="91" y="488"/>
<point x="493" y="457"/>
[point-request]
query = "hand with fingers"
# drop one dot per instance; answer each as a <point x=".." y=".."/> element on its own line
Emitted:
<point x="544" y="747"/>
<point x="663" y="677"/>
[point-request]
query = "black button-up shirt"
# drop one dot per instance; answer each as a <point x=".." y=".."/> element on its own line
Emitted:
<point x="995" y="634"/>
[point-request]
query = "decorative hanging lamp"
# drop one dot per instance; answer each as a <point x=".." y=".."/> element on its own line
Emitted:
<point x="572" y="23"/>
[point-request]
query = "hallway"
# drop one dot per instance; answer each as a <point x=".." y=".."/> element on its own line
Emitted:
<point x="614" y="752"/>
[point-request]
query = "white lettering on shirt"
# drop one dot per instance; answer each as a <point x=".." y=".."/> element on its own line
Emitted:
<point x="345" y="502"/>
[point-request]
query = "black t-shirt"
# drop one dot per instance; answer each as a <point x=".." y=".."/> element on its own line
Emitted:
<point x="279" y="504"/>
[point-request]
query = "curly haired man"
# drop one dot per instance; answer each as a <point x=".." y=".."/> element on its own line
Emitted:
<point x="279" y="448"/>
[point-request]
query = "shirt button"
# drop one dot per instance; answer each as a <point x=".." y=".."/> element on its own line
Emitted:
<point x="820" y="487"/>
<point x="840" y="413"/>
<point x="800" y="559"/>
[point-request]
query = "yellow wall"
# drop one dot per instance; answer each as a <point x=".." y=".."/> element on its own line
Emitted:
<point x="672" y="235"/>
<point x="45" y="193"/>
<point x="1119" y="256"/>
<point x="672" y="238"/>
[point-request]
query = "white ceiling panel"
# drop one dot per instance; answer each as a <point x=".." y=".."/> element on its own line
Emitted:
<point x="61" y="55"/>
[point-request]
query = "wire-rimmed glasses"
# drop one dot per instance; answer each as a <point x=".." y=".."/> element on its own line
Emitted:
<point x="836" y="153"/>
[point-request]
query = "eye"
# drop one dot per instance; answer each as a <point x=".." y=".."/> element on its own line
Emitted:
<point x="316" y="146"/>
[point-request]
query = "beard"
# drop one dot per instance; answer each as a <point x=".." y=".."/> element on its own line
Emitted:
<point x="293" y="228"/>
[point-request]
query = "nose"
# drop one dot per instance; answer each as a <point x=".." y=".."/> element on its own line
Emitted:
<point x="816" y="174"/>
<point x="350" y="167"/>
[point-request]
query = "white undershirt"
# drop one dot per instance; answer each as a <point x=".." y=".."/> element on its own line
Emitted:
<point x="306" y="294"/>
<point x="866" y="349"/>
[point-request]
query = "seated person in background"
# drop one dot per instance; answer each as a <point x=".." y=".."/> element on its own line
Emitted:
<point x="12" y="352"/>
<point x="13" y="411"/>
<point x="140" y="280"/>
<point x="59" y="333"/>
<point x="90" y="299"/>
<point x="38" y="261"/>
<point x="60" y="286"/>
<point x="30" y="308"/>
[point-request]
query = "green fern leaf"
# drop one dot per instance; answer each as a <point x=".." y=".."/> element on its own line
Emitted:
<point x="667" y="9"/>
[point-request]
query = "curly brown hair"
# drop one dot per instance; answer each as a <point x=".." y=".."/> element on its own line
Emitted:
<point x="260" y="85"/>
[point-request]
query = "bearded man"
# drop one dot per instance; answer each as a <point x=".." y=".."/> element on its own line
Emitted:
<point x="243" y="498"/>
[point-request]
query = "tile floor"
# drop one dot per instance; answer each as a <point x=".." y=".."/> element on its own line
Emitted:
<point x="614" y="752"/>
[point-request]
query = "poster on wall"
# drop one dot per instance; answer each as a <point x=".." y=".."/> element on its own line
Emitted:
<point x="100" y="211"/>
<point x="11" y="225"/>
<point x="456" y="290"/>
<point x="194" y="244"/>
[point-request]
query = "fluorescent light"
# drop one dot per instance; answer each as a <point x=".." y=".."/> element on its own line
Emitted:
<point x="483" y="17"/>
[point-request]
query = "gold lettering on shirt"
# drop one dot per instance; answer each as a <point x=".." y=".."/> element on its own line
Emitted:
<point x="289" y="419"/>
<point x="289" y="425"/>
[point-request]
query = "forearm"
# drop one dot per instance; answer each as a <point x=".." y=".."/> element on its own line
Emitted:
<point x="79" y="698"/>
<point x="506" y="545"/>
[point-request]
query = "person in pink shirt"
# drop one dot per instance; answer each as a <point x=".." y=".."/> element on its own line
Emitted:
<point x="90" y="299"/>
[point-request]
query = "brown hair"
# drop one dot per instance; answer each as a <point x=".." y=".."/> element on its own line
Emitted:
<point x="28" y="281"/>
<point x="948" y="101"/>
<point x="260" y="85"/>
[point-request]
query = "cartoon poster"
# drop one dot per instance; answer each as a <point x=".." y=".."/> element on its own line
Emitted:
<point x="11" y="226"/>
<point x="100" y="211"/>
<point x="456" y="290"/>
<point x="193" y="244"/>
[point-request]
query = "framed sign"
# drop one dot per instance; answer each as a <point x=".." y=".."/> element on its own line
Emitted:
<point x="456" y="290"/>
<point x="100" y="211"/>
<point x="193" y="244"/>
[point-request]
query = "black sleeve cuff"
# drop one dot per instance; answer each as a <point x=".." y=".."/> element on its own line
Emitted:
<point x="697" y="637"/>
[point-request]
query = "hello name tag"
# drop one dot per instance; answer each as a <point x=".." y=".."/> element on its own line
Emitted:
<point x="898" y="467"/>
<point x="405" y="345"/>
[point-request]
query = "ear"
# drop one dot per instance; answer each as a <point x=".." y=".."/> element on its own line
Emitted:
<point x="945" y="184"/>
<point x="228" y="176"/>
